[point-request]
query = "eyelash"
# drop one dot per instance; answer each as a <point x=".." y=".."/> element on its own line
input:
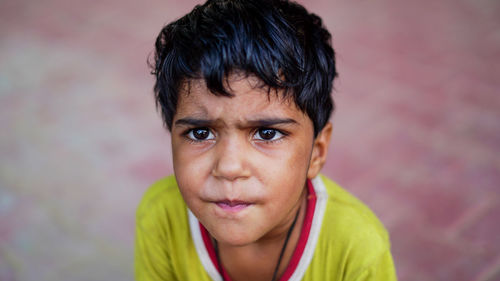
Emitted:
<point x="192" y="139"/>
<point x="189" y="132"/>
<point x="283" y="135"/>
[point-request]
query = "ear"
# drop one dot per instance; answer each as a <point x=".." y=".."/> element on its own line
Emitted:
<point x="319" y="151"/>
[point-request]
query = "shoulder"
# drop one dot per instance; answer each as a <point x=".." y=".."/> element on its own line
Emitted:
<point x="160" y="202"/>
<point x="162" y="231"/>
<point x="162" y="193"/>
<point x="352" y="238"/>
<point x="356" y="218"/>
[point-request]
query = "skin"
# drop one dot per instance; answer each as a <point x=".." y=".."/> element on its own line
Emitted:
<point x="241" y="164"/>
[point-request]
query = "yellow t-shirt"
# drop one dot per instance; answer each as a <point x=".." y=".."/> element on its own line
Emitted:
<point x="341" y="239"/>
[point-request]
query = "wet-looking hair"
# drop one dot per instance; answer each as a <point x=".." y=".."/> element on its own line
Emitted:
<point x="277" y="41"/>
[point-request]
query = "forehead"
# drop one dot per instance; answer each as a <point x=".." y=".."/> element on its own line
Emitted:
<point x="249" y="100"/>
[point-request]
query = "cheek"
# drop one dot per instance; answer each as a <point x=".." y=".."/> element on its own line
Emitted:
<point x="190" y="181"/>
<point x="190" y="169"/>
<point x="187" y="156"/>
<point x="288" y="170"/>
<point x="295" y="160"/>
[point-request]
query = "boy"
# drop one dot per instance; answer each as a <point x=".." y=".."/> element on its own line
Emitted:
<point x="244" y="88"/>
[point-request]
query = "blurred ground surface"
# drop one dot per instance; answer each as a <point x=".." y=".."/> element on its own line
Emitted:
<point x="417" y="131"/>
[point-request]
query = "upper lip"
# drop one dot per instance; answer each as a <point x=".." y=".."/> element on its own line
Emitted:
<point x="233" y="202"/>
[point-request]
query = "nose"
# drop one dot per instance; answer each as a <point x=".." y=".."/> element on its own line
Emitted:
<point x="231" y="160"/>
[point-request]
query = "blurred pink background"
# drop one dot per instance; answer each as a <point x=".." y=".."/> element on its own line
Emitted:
<point x="417" y="131"/>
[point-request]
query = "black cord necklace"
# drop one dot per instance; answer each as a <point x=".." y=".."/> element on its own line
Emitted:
<point x="288" y="234"/>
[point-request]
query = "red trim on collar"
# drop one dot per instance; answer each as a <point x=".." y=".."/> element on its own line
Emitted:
<point x="209" y="246"/>
<point x="299" y="249"/>
<point x="211" y="252"/>
<point x="304" y="235"/>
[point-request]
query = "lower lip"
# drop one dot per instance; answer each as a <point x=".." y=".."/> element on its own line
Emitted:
<point x="232" y="208"/>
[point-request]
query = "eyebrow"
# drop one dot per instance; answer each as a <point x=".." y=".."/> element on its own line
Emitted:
<point x="268" y="122"/>
<point x="194" y="122"/>
<point x="264" y="122"/>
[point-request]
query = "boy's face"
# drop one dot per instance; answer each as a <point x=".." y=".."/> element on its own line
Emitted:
<point x="241" y="162"/>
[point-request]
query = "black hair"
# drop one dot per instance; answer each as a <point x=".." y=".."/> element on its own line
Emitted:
<point x="277" y="41"/>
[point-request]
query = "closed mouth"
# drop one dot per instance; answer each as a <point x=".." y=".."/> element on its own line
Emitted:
<point x="232" y="205"/>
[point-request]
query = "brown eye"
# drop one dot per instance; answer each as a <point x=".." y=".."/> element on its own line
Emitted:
<point x="200" y="134"/>
<point x="267" y="134"/>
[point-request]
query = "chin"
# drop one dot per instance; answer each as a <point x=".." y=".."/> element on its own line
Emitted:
<point x="233" y="238"/>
